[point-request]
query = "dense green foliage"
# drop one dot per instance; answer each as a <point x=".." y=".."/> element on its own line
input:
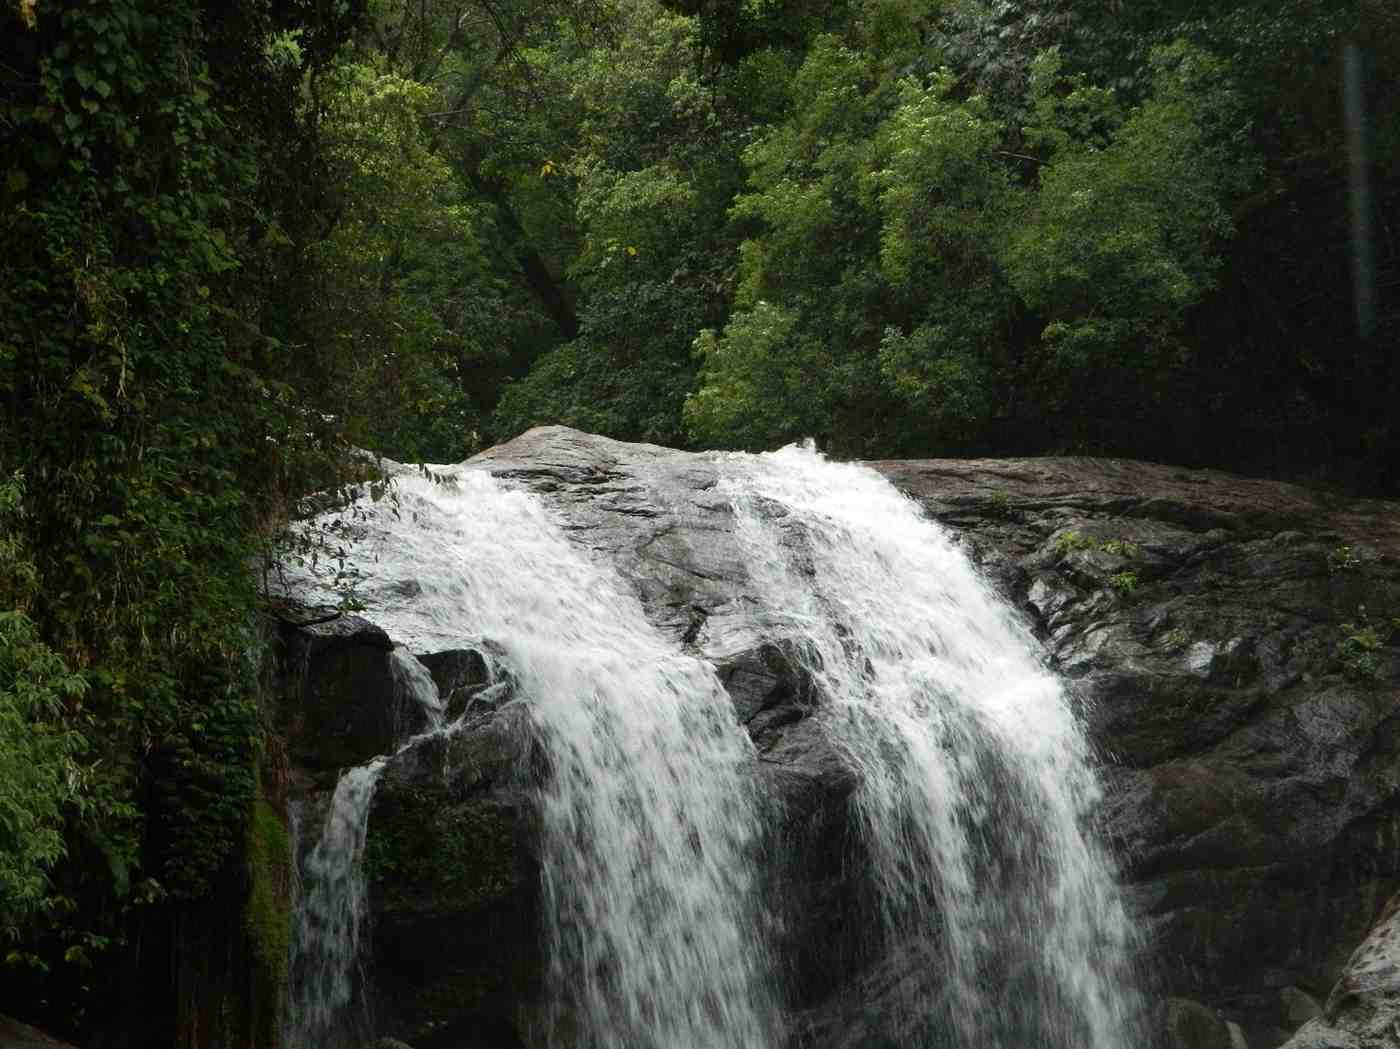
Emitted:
<point x="39" y="773"/>
<point x="243" y="238"/>
<point x="148" y="413"/>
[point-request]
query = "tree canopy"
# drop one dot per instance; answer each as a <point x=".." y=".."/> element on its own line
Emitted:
<point x="244" y="239"/>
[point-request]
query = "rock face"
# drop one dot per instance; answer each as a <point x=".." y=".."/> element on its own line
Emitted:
<point x="15" y="1035"/>
<point x="1240" y="691"/>
<point x="1235" y="645"/>
<point x="1363" y="1010"/>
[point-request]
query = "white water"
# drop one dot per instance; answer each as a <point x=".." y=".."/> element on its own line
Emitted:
<point x="647" y="816"/>
<point x="328" y="1007"/>
<point x="976" y="782"/>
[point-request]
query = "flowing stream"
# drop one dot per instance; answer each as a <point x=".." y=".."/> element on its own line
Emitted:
<point x="329" y="1004"/>
<point x="647" y="817"/>
<point x="976" y="781"/>
<point x="976" y="784"/>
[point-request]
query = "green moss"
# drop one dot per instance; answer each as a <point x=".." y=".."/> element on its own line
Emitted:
<point x="1342" y="559"/>
<point x="419" y="851"/>
<point x="267" y="916"/>
<point x="1124" y="548"/>
<point x="1069" y="541"/>
<point x="1175" y="639"/>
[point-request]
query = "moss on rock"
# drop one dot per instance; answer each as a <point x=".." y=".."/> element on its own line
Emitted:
<point x="267" y="915"/>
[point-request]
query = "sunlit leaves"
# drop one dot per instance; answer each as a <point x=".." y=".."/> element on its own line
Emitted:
<point x="1128" y="231"/>
<point x="763" y="381"/>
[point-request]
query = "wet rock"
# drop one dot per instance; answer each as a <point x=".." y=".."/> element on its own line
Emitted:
<point x="461" y="676"/>
<point x="453" y="884"/>
<point x="1298" y="1006"/>
<point x="1191" y="1025"/>
<point x="340" y="704"/>
<point x="15" y="1035"/>
<point x="1252" y="776"/>
<point x="1363" y="1010"/>
<point x="1237" y="1038"/>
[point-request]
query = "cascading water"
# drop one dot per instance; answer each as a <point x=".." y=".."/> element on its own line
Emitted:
<point x="329" y="1007"/>
<point x="413" y="684"/>
<point x="975" y="777"/>
<point x="647" y="814"/>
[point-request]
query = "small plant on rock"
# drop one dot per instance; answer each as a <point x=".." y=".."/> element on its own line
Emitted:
<point x="1069" y="541"/>
<point x="1174" y="640"/>
<point x="1357" y="651"/>
<point x="1124" y="582"/>
<point x="1342" y="559"/>
<point x="1124" y="548"/>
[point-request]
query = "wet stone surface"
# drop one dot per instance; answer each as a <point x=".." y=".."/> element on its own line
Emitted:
<point x="1233" y="646"/>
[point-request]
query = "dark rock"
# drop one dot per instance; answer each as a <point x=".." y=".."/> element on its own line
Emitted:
<point x="1363" y="1010"/>
<point x="463" y="678"/>
<point x="15" y="1035"/>
<point x="1252" y="776"/>
<point x="1298" y="1006"/>
<point x="1191" y="1025"/>
<point x="453" y="885"/>
<point x="341" y="705"/>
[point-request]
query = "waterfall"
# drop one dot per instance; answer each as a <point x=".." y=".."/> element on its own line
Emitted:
<point x="328" y="1007"/>
<point x="647" y="815"/>
<point x="975" y="790"/>
<point x="975" y="779"/>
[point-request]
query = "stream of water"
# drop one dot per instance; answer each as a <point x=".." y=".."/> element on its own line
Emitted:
<point x="976" y="781"/>
<point x="647" y="817"/>
<point x="976" y="784"/>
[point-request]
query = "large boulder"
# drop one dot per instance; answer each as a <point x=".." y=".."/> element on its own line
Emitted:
<point x="453" y="882"/>
<point x="1242" y="690"/>
<point x="1363" y="1010"/>
<point x="344" y="701"/>
<point x="1232" y="646"/>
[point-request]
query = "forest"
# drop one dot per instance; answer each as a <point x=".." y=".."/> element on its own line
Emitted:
<point x="243" y="240"/>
